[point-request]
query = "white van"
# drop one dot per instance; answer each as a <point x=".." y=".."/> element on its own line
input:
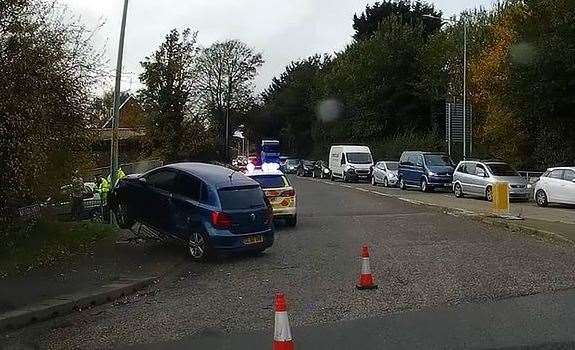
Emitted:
<point x="350" y="162"/>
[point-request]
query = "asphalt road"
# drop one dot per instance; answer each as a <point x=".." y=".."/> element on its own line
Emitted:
<point x="422" y="260"/>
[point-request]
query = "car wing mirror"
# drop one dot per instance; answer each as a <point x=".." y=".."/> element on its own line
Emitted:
<point x="143" y="180"/>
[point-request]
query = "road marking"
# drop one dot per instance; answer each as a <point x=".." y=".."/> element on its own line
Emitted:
<point x="384" y="194"/>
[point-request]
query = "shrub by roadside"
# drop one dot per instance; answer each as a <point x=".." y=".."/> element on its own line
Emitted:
<point x="39" y="244"/>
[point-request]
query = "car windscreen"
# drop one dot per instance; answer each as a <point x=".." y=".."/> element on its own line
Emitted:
<point x="437" y="160"/>
<point x="359" y="158"/>
<point x="292" y="161"/>
<point x="502" y="169"/>
<point x="392" y="165"/>
<point x="241" y="198"/>
<point x="270" y="181"/>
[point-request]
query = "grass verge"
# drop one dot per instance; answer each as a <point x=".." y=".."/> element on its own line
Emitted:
<point x="39" y="244"/>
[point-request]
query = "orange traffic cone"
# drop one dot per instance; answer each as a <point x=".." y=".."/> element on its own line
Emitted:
<point x="282" y="332"/>
<point x="365" y="279"/>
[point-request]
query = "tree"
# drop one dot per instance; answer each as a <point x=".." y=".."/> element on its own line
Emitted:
<point x="226" y="71"/>
<point x="409" y="13"/>
<point x="169" y="92"/>
<point x="289" y="102"/>
<point x="47" y="68"/>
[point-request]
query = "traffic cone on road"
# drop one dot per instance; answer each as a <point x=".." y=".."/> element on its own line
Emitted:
<point x="365" y="279"/>
<point x="282" y="332"/>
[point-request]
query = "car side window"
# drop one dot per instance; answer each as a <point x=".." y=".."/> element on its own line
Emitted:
<point x="480" y="170"/>
<point x="462" y="168"/>
<point x="404" y="159"/>
<point x="419" y="160"/>
<point x="569" y="175"/>
<point x="343" y="159"/>
<point x="163" y="180"/>
<point x="556" y="174"/>
<point x="188" y="186"/>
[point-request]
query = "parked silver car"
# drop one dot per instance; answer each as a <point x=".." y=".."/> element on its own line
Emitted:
<point x="385" y="172"/>
<point x="556" y="185"/>
<point x="477" y="178"/>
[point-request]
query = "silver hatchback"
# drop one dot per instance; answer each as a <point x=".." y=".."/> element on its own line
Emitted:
<point x="477" y="178"/>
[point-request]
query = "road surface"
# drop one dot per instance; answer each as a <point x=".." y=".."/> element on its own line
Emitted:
<point x="433" y="270"/>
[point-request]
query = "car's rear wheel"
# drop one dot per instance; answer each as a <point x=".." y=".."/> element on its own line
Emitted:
<point x="402" y="184"/>
<point x="124" y="218"/>
<point x="458" y="190"/>
<point x="541" y="198"/>
<point x="199" y="246"/>
<point x="489" y="194"/>
<point x="291" y="221"/>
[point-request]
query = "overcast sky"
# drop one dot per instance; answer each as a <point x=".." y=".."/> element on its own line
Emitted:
<point x="283" y="30"/>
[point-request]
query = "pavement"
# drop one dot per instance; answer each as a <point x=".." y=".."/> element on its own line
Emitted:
<point x="555" y="218"/>
<point x="122" y="263"/>
<point x="422" y="259"/>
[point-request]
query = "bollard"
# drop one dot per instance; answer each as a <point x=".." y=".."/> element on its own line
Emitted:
<point x="500" y="198"/>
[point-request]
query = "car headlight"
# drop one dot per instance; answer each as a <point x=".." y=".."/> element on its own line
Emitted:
<point x="431" y="174"/>
<point x="326" y="171"/>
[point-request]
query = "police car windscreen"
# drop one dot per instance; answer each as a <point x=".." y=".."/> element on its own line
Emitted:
<point x="241" y="198"/>
<point x="270" y="181"/>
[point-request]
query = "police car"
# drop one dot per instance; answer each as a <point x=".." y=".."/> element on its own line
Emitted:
<point x="278" y="190"/>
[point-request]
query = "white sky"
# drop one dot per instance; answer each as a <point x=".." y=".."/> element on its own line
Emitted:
<point x="283" y="30"/>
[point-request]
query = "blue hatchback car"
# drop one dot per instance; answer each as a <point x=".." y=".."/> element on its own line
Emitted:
<point x="211" y="208"/>
<point x="425" y="170"/>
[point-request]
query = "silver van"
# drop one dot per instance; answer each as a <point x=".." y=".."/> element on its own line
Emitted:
<point x="477" y="178"/>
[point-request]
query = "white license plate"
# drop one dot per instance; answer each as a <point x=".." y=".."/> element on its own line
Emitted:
<point x="253" y="240"/>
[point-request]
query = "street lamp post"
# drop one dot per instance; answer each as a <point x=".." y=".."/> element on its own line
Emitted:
<point x="449" y="20"/>
<point x="116" y="116"/>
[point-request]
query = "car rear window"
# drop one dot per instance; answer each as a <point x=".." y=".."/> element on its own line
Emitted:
<point x="271" y="181"/>
<point x="241" y="198"/>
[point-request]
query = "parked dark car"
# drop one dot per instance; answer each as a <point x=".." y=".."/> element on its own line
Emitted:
<point x="321" y="170"/>
<point x="210" y="208"/>
<point x="426" y="170"/>
<point x="305" y="168"/>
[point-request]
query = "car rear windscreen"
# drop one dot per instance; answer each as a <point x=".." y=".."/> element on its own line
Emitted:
<point x="271" y="181"/>
<point x="241" y="198"/>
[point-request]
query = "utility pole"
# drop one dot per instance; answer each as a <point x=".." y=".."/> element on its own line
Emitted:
<point x="116" y="117"/>
<point x="464" y="89"/>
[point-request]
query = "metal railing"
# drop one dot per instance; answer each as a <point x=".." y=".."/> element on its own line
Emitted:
<point x="531" y="176"/>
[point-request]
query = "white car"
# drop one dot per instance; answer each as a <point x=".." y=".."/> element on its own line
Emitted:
<point x="385" y="173"/>
<point x="556" y="185"/>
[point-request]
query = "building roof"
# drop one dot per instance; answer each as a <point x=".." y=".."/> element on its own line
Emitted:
<point x="215" y="175"/>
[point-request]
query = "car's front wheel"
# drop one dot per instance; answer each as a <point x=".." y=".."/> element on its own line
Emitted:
<point x="541" y="198"/>
<point x="124" y="217"/>
<point x="489" y="194"/>
<point x="198" y="246"/>
<point x="424" y="187"/>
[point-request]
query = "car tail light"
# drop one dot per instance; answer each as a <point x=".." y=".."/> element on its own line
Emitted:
<point x="288" y="193"/>
<point x="221" y="221"/>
